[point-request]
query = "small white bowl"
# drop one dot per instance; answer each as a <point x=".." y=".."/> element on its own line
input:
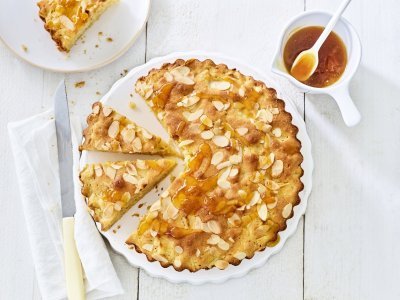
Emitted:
<point x="340" y="89"/>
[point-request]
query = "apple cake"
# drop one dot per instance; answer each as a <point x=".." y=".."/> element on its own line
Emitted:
<point x="112" y="132"/>
<point x="112" y="188"/>
<point x="242" y="167"/>
<point x="67" y="20"/>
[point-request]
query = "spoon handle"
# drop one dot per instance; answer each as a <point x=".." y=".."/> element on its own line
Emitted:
<point x="331" y="25"/>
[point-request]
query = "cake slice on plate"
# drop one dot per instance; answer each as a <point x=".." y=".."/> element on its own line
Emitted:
<point x="67" y="20"/>
<point x="112" y="188"/>
<point x="111" y="132"/>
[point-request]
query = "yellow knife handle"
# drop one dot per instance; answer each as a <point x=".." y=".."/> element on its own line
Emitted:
<point x="73" y="266"/>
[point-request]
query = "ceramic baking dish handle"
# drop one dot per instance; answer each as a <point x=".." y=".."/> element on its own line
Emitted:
<point x="350" y="113"/>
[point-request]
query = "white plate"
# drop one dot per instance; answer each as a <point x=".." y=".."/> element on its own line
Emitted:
<point x="119" y="97"/>
<point x="20" y="26"/>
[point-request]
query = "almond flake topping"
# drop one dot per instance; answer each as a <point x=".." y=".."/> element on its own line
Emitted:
<point x="277" y="168"/>
<point x="242" y="130"/>
<point x="277" y="132"/>
<point x="156" y="206"/>
<point x="96" y="109"/>
<point x="107" y="111"/>
<point x="67" y="22"/>
<point x="147" y="135"/>
<point x="141" y="164"/>
<point x="287" y="210"/>
<point x="220" y="140"/>
<point x="111" y="172"/>
<point x="223" y="165"/>
<point x="264" y="116"/>
<point x="98" y="170"/>
<point x="177" y="262"/>
<point x="272" y="185"/>
<point x="233" y="219"/>
<point x="128" y="135"/>
<point x="137" y="144"/>
<point x="193" y="116"/>
<point x="235" y="159"/>
<point x="178" y="249"/>
<point x="274" y="110"/>
<point x="223" y="245"/>
<point x="213" y="239"/>
<point x="160" y="258"/>
<point x="273" y="204"/>
<point x="239" y="255"/>
<point x="168" y="77"/>
<point x="113" y="130"/>
<point x="266" y="161"/>
<point x="206" y="121"/>
<point x="185" y="143"/>
<point x="220" y="85"/>
<point x="218" y="105"/>
<point x="221" y="264"/>
<point x="130" y="179"/>
<point x="116" y="167"/>
<point x="242" y="91"/>
<point x="214" y="226"/>
<point x="254" y="200"/>
<point x="197" y="253"/>
<point x="217" y="158"/>
<point x="222" y="181"/>
<point x="207" y="135"/>
<point x="131" y="169"/>
<point x="108" y="211"/>
<point x="234" y="172"/>
<point x="262" y="211"/>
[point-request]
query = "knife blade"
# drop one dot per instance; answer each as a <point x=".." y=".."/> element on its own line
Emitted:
<point x="72" y="263"/>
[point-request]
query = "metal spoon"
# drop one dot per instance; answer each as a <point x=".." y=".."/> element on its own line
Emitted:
<point x="306" y="62"/>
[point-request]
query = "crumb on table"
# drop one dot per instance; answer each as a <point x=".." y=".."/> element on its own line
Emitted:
<point x="132" y="105"/>
<point x="98" y="93"/>
<point x="109" y="39"/>
<point x="25" y="48"/>
<point x="100" y="33"/>
<point x="80" y="84"/>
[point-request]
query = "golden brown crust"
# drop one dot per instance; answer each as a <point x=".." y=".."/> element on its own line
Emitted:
<point x="110" y="131"/>
<point x="242" y="177"/>
<point x="112" y="188"/>
<point x="66" y="20"/>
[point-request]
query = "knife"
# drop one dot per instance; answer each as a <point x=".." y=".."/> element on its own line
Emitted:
<point x="73" y="267"/>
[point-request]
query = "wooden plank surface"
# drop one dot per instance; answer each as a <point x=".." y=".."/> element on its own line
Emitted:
<point x="352" y="225"/>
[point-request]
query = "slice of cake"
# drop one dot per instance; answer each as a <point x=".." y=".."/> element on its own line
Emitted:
<point x="112" y="188"/>
<point x="67" y="20"/>
<point x="111" y="132"/>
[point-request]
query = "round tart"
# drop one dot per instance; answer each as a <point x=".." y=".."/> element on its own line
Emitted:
<point x="242" y="167"/>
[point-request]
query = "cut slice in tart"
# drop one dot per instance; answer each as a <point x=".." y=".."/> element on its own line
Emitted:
<point x="67" y="20"/>
<point x="112" y="188"/>
<point x="110" y="131"/>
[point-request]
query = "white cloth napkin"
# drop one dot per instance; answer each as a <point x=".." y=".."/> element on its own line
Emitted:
<point x="34" y="146"/>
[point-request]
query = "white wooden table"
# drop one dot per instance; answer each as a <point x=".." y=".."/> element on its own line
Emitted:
<point x="348" y="244"/>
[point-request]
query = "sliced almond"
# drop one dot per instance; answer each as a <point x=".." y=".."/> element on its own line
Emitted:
<point x="198" y="252"/>
<point x="273" y="204"/>
<point x="171" y="212"/>
<point x="193" y="116"/>
<point x="213" y="239"/>
<point x="67" y="22"/>
<point x="264" y="116"/>
<point x="233" y="219"/>
<point x="218" y="105"/>
<point x="168" y="76"/>
<point x="223" y="245"/>
<point x="185" y="143"/>
<point x="272" y="185"/>
<point x="160" y="258"/>
<point x="113" y="130"/>
<point x="111" y="172"/>
<point x="156" y="206"/>
<point x="262" y="211"/>
<point x="235" y="159"/>
<point x="242" y="91"/>
<point x="141" y="164"/>
<point x="207" y="135"/>
<point x="234" y="172"/>
<point x="128" y="135"/>
<point x="228" y="134"/>
<point x="239" y="255"/>
<point x="116" y="167"/>
<point x="108" y="211"/>
<point x="221" y="264"/>
<point x="137" y="144"/>
<point x="177" y="262"/>
<point x="266" y="161"/>
<point x="178" y="249"/>
<point x="165" y="194"/>
<point x="274" y="110"/>
<point x="242" y="130"/>
<point x="180" y="71"/>
<point x="277" y="168"/>
<point x="223" y="165"/>
<point x="254" y="199"/>
<point x="161" y="115"/>
<point x="217" y="158"/>
<point x="242" y="194"/>
<point x="147" y="135"/>
<point x="220" y="85"/>
<point x="130" y="179"/>
<point x="287" y="210"/>
<point x="107" y="111"/>
<point x="222" y="181"/>
<point x="277" y="132"/>
<point x="214" y="226"/>
<point x="131" y="169"/>
<point x="96" y="109"/>
<point x="98" y="170"/>
<point x="220" y="140"/>
<point x="184" y="79"/>
<point x="206" y="121"/>
<point x="117" y="206"/>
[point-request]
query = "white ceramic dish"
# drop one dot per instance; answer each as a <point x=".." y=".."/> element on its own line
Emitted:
<point x="339" y="90"/>
<point x="20" y="26"/>
<point x="119" y="97"/>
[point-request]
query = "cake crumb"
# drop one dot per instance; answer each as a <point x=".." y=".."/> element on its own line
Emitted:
<point x="25" y="48"/>
<point x="132" y="105"/>
<point x="109" y="39"/>
<point x="98" y="93"/>
<point x="97" y="46"/>
<point x="100" y="33"/>
<point x="80" y="84"/>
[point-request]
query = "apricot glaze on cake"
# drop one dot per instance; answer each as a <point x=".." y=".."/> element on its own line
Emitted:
<point x="67" y="20"/>
<point x="112" y="132"/>
<point x="112" y="188"/>
<point x="242" y="172"/>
